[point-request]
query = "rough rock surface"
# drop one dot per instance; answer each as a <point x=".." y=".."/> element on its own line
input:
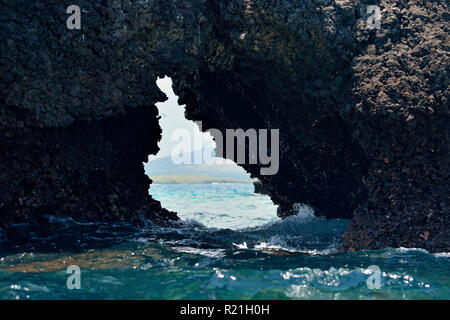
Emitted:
<point x="363" y="114"/>
<point x="259" y="188"/>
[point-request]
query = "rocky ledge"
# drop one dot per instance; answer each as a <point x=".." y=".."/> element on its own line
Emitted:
<point x="362" y="112"/>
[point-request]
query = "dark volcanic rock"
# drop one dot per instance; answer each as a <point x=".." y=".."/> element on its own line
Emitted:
<point x="401" y="98"/>
<point x="259" y="187"/>
<point x="78" y="115"/>
<point x="363" y="114"/>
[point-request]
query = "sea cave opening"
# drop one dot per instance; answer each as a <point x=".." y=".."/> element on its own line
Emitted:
<point x="188" y="177"/>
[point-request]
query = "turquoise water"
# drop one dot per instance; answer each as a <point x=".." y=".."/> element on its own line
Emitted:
<point x="220" y="205"/>
<point x="230" y="246"/>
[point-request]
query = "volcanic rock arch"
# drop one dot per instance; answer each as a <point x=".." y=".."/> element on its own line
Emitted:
<point x="362" y="113"/>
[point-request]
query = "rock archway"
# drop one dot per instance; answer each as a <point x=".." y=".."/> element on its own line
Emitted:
<point x="362" y="113"/>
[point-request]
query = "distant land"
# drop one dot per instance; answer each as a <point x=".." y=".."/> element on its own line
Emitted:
<point x="196" y="179"/>
<point x="165" y="167"/>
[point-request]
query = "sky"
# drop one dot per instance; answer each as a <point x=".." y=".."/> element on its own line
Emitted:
<point x="173" y="121"/>
<point x="174" y="124"/>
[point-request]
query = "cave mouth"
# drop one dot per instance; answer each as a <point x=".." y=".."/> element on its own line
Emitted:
<point x="189" y="179"/>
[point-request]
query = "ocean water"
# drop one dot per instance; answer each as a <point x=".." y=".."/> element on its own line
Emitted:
<point x="219" y="205"/>
<point x="230" y="245"/>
